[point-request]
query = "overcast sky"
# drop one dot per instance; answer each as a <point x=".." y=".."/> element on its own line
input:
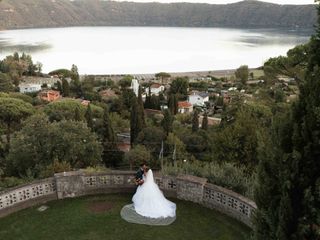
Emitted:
<point x="227" y="1"/>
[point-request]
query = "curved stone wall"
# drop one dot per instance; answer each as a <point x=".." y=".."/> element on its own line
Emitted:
<point x="80" y="183"/>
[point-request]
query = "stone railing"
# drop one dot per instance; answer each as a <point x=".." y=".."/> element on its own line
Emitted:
<point x="27" y="195"/>
<point x="80" y="183"/>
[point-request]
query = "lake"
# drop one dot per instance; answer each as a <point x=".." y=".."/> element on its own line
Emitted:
<point x="124" y="50"/>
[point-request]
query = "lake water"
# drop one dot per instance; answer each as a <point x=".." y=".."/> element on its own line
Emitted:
<point x="114" y="50"/>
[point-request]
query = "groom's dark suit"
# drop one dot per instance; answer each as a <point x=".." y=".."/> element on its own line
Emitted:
<point x="139" y="176"/>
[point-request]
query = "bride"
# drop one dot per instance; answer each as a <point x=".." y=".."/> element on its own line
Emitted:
<point x="149" y="201"/>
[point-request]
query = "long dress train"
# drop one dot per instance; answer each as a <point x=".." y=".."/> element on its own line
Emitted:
<point x="150" y="202"/>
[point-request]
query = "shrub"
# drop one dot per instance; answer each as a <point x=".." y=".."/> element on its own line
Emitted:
<point x="225" y="175"/>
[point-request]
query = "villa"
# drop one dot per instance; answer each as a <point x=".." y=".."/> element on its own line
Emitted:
<point x="155" y="89"/>
<point x="198" y="98"/>
<point x="49" y="95"/>
<point x="185" y="107"/>
<point x="29" y="88"/>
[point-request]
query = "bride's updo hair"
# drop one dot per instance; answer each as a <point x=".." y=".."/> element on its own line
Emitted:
<point x="147" y="169"/>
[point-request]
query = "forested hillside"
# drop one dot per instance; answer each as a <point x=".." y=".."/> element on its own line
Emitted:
<point x="61" y="13"/>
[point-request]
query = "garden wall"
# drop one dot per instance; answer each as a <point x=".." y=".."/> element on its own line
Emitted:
<point x="80" y="183"/>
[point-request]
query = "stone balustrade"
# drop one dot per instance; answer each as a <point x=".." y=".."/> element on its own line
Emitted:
<point x="27" y="195"/>
<point x="81" y="183"/>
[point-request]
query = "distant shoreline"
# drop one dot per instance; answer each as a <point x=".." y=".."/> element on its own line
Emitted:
<point x="192" y="74"/>
<point x="286" y="29"/>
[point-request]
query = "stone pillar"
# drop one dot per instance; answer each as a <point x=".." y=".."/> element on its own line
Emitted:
<point x="190" y="188"/>
<point x="69" y="184"/>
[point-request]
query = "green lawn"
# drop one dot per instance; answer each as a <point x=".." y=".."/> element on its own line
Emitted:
<point x="71" y="219"/>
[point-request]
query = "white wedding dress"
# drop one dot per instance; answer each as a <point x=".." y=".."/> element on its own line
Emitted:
<point x="150" y="202"/>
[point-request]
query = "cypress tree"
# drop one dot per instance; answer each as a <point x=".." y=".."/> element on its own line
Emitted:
<point x="59" y="86"/>
<point x="204" y="124"/>
<point x="167" y="122"/>
<point x="65" y="88"/>
<point x="171" y="104"/>
<point x="155" y="103"/>
<point x="136" y="121"/>
<point x="111" y="155"/>
<point x="141" y="108"/>
<point x="296" y="214"/>
<point x="175" y="104"/>
<point x="148" y="104"/>
<point x="195" y="121"/>
<point x="89" y="118"/>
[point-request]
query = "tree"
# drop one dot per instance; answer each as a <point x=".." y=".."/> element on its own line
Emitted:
<point x="89" y="118"/>
<point x="65" y="88"/>
<point x="174" y="143"/>
<point x="151" y="138"/>
<point x="180" y="86"/>
<point x="111" y="155"/>
<point x="125" y="82"/>
<point x="195" y="121"/>
<point x="155" y="102"/>
<point x="74" y="72"/>
<point x="242" y="73"/>
<point x="136" y="120"/>
<point x="127" y="96"/>
<point x="162" y="75"/>
<point x="293" y="65"/>
<point x="59" y="86"/>
<point x="77" y="116"/>
<point x="296" y="162"/>
<point x="173" y="104"/>
<point x="237" y="142"/>
<point x="148" y="104"/>
<point x="167" y="122"/>
<point x="5" y="83"/>
<point x="12" y="112"/>
<point x="204" y="124"/>
<point x="140" y="103"/>
<point x="66" y="108"/>
<point x="137" y="155"/>
<point x="40" y="143"/>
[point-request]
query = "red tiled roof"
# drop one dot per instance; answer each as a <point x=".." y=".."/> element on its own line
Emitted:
<point x="155" y="85"/>
<point x="184" y="104"/>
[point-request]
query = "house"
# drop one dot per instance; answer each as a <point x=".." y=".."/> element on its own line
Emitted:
<point x="135" y="86"/>
<point x="108" y="94"/>
<point x="123" y="140"/>
<point x="198" y="98"/>
<point x="212" y="121"/>
<point x="29" y="87"/>
<point x="286" y="79"/>
<point x="49" y="95"/>
<point x="49" y="81"/>
<point x="155" y="89"/>
<point x="185" y="107"/>
<point x="85" y="102"/>
<point x="254" y="82"/>
<point x="152" y="112"/>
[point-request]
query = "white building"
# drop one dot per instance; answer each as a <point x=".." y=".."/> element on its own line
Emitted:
<point x="29" y="87"/>
<point x="155" y="89"/>
<point x="135" y="86"/>
<point x="198" y="98"/>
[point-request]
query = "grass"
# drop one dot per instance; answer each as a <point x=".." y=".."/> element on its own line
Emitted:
<point x="71" y="219"/>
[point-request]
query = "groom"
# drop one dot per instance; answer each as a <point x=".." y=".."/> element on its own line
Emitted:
<point x="139" y="175"/>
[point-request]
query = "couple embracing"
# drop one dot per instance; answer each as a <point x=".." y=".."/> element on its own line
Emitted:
<point x="148" y="200"/>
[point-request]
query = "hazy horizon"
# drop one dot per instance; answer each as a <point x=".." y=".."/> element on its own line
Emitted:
<point x="295" y="2"/>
